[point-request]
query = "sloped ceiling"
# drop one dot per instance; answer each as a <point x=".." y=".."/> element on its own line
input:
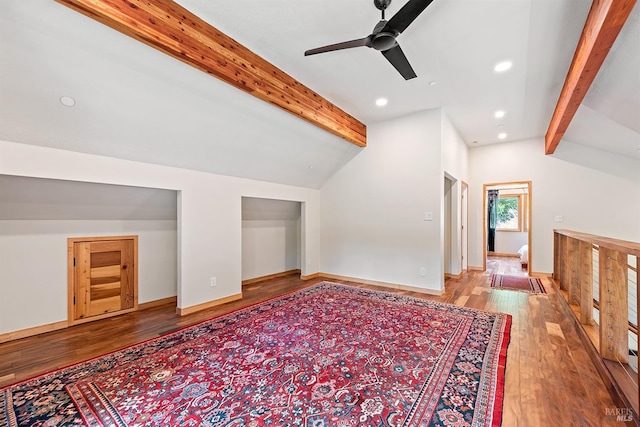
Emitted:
<point x="257" y="209"/>
<point x="25" y="198"/>
<point x="609" y="117"/>
<point x="135" y="103"/>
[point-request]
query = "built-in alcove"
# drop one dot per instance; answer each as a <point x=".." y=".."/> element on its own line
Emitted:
<point x="37" y="216"/>
<point x="271" y="237"/>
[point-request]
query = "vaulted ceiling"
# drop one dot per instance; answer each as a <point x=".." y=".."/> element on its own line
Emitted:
<point x="134" y="102"/>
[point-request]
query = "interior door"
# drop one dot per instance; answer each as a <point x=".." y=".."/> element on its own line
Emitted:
<point x="103" y="280"/>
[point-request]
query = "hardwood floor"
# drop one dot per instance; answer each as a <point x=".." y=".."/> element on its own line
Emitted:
<point x="550" y="380"/>
<point x="506" y="265"/>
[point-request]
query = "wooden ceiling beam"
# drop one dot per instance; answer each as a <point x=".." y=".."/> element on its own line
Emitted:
<point x="604" y="22"/>
<point x="172" y="29"/>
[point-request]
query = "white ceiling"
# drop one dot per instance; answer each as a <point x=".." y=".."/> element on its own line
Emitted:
<point x="136" y="103"/>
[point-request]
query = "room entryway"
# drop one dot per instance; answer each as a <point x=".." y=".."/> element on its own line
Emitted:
<point x="454" y="227"/>
<point x="507" y="218"/>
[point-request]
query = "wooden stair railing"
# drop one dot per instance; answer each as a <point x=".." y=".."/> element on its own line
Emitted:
<point x="573" y="272"/>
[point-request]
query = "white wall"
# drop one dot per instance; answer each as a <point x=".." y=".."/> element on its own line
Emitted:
<point x="209" y="217"/>
<point x="508" y="242"/>
<point x="455" y="166"/>
<point x="594" y="191"/>
<point x="269" y="247"/>
<point x="455" y="153"/>
<point x="372" y="210"/>
<point x="33" y="265"/>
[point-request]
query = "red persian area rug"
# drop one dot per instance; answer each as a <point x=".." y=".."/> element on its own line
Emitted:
<point x="518" y="283"/>
<point x="328" y="355"/>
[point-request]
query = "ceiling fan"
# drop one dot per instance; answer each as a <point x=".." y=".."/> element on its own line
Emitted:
<point x="383" y="37"/>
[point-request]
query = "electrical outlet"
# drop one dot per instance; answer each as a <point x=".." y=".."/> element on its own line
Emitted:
<point x="212" y="281"/>
<point x="423" y="271"/>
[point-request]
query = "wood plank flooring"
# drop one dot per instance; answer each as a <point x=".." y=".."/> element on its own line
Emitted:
<point x="550" y="380"/>
<point x="506" y="265"/>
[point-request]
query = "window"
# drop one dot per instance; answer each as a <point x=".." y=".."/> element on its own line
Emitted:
<point x="509" y="217"/>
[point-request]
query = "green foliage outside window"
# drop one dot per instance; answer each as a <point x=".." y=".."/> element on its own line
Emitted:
<point x="508" y="213"/>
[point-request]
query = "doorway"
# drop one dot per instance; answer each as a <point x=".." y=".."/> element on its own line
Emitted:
<point x="464" y="220"/>
<point x="507" y="209"/>
<point x="454" y="227"/>
<point x="448" y="223"/>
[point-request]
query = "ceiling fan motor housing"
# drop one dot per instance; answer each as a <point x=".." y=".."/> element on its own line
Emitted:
<point x="382" y="4"/>
<point x="383" y="41"/>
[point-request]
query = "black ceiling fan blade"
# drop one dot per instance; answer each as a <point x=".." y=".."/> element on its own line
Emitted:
<point x="396" y="57"/>
<point x="406" y="15"/>
<point x="339" y="46"/>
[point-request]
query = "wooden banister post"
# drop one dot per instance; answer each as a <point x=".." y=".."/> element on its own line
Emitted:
<point x="573" y="279"/>
<point x="614" y="308"/>
<point x="556" y="258"/>
<point x="586" y="282"/>
<point x="564" y="263"/>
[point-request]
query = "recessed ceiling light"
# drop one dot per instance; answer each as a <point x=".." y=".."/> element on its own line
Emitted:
<point x="67" y="101"/>
<point x="502" y="135"/>
<point x="310" y="167"/>
<point x="499" y="114"/>
<point x="502" y="66"/>
<point x="500" y="126"/>
<point x="433" y="83"/>
<point x="381" y="102"/>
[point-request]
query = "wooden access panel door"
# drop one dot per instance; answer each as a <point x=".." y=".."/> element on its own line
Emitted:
<point x="102" y="277"/>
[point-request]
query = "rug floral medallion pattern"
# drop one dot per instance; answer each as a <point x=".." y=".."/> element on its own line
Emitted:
<point x="329" y="355"/>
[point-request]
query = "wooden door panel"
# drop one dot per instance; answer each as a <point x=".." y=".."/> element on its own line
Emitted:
<point x="106" y="272"/>
<point x="107" y="246"/>
<point x="104" y="277"/>
<point x="105" y="305"/>
<point x="105" y="290"/>
<point x="127" y="278"/>
<point x="82" y="253"/>
<point x="95" y="281"/>
<point x="104" y="259"/>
